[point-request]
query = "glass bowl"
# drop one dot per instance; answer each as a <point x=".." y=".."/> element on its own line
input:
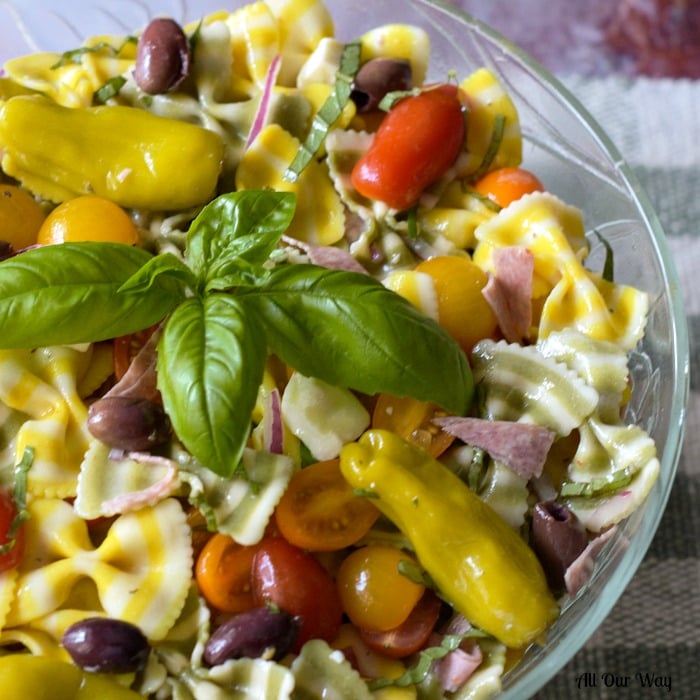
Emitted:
<point x="574" y="159"/>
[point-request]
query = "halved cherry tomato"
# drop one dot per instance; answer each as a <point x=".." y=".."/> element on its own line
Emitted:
<point x="374" y="593"/>
<point x="223" y="574"/>
<point x="506" y="185"/>
<point x="462" y="308"/>
<point x="295" y="581"/>
<point x="320" y="512"/>
<point x="419" y="139"/>
<point x="411" y="635"/>
<point x="411" y="419"/>
<point x="15" y="552"/>
<point x="88" y="218"/>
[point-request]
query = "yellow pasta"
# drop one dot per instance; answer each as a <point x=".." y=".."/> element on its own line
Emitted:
<point x="138" y="571"/>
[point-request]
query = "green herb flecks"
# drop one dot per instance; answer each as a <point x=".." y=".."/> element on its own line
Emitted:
<point x="76" y="55"/>
<point x="224" y="308"/>
<point x="419" y="671"/>
<point x="329" y="112"/>
<point x="609" y="263"/>
<point x="109" y="90"/>
<point x="499" y="127"/>
<point x="19" y="496"/>
<point x="603" y="486"/>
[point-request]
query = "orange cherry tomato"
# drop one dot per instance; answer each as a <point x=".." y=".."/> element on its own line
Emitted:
<point x="14" y="553"/>
<point x="506" y="185"/>
<point x="374" y="593"/>
<point x="297" y="583"/>
<point x="88" y="218"/>
<point x="320" y="512"/>
<point x="416" y="143"/>
<point x="462" y="308"/>
<point x="411" y="419"/>
<point x="21" y="217"/>
<point x="223" y="574"/>
<point x="411" y="635"/>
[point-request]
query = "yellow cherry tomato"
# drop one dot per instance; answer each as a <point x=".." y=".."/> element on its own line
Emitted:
<point x="373" y="591"/>
<point x="20" y="217"/>
<point x="88" y="218"/>
<point x="462" y="308"/>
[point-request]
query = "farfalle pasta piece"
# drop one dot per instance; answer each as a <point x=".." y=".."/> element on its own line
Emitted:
<point x="403" y="41"/>
<point x="506" y="492"/>
<point x="241" y="506"/>
<point x="108" y="486"/>
<point x="72" y="80"/>
<point x="575" y="298"/>
<point x="492" y="121"/>
<point x="319" y="218"/>
<point x="42" y="384"/>
<point x="518" y="383"/>
<point x="302" y="25"/>
<point x="140" y="571"/>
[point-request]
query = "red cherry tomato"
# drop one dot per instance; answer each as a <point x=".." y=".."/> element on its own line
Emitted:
<point x="295" y="581"/>
<point x="411" y="635"/>
<point x="319" y="511"/>
<point x="13" y="555"/>
<point x="414" y="146"/>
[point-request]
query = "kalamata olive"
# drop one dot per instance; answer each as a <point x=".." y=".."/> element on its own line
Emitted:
<point x="251" y="634"/>
<point x="105" y="645"/>
<point x="558" y="537"/>
<point x="129" y="423"/>
<point x="376" y="78"/>
<point x="162" y="57"/>
<point x="6" y="250"/>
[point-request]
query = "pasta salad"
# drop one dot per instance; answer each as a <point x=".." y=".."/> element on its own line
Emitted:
<point x="306" y="387"/>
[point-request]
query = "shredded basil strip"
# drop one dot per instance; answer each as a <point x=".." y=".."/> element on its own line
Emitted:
<point x="76" y="55"/>
<point x="413" y="572"/>
<point x="596" y="487"/>
<point x="110" y="89"/>
<point x="609" y="264"/>
<point x="391" y="98"/>
<point x="19" y="498"/>
<point x="499" y="127"/>
<point x="419" y="672"/>
<point x="330" y="110"/>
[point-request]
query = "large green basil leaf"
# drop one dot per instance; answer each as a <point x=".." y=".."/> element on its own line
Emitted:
<point x="234" y="235"/>
<point x="67" y="293"/>
<point x="349" y="330"/>
<point x="159" y="266"/>
<point x="211" y="358"/>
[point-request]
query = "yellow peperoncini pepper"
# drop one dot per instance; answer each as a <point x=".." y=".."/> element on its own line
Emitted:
<point x="25" y="677"/>
<point x="135" y="158"/>
<point x="476" y="560"/>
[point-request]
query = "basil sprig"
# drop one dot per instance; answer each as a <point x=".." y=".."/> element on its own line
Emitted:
<point x="225" y="308"/>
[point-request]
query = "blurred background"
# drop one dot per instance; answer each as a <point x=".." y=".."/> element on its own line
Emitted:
<point x="656" y="38"/>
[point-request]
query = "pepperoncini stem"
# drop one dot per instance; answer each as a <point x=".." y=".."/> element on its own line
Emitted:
<point x="476" y="560"/>
<point x="131" y="156"/>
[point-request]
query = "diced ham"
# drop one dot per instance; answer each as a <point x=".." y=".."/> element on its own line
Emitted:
<point x="509" y="291"/>
<point x="454" y="670"/>
<point x="327" y="256"/>
<point x="522" y="447"/>
<point x="580" y="570"/>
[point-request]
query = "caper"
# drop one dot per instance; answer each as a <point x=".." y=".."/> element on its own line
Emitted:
<point x="162" y="57"/>
<point x="106" y="645"/>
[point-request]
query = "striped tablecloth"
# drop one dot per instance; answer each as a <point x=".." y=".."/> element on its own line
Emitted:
<point x="652" y="636"/>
